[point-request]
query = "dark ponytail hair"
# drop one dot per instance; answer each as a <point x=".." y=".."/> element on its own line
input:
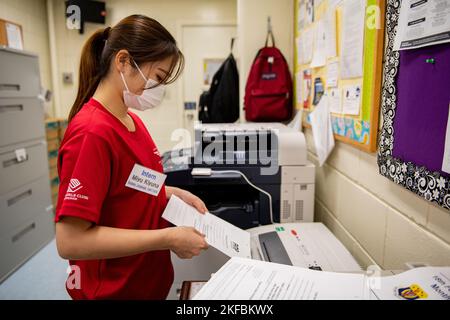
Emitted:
<point x="144" y="38"/>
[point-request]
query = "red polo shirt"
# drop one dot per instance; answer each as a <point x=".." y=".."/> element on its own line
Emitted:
<point x="96" y="157"/>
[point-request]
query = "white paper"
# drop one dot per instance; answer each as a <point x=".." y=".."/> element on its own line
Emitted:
<point x="429" y="283"/>
<point x="195" y="288"/>
<point x="322" y="130"/>
<point x="298" y="87"/>
<point x="301" y="15"/>
<point x="446" y="159"/>
<point x="299" y="44"/>
<point x="307" y="39"/>
<point x="244" y="279"/>
<point x="352" y="48"/>
<point x="307" y="87"/>
<point x="330" y="30"/>
<point x="14" y="36"/>
<point x="220" y="234"/>
<point x="332" y="74"/>
<point x="352" y="100"/>
<point x="333" y="3"/>
<point x="320" y="45"/>
<point x="422" y="23"/>
<point x="335" y="100"/>
<point x="309" y="8"/>
<point x="317" y="3"/>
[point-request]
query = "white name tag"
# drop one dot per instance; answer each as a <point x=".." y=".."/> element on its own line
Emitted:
<point x="145" y="180"/>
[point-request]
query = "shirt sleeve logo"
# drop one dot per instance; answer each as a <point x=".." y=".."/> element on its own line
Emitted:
<point x="74" y="186"/>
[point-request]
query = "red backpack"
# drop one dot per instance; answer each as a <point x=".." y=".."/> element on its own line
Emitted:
<point x="268" y="93"/>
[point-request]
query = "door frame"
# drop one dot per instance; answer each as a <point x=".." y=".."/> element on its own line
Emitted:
<point x="181" y="24"/>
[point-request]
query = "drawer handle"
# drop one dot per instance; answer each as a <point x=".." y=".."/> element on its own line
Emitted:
<point x="24" y="231"/>
<point x="11" y="162"/>
<point x="7" y="86"/>
<point x="19" y="197"/>
<point x="12" y="107"/>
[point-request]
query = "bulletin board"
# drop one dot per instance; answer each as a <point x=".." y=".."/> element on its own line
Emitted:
<point x="358" y="130"/>
<point x="415" y="109"/>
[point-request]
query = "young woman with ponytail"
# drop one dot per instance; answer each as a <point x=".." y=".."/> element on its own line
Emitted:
<point x="117" y="243"/>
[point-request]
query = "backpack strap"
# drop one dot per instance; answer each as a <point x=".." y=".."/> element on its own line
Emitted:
<point x="269" y="33"/>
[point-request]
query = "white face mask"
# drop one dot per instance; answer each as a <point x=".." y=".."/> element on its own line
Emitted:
<point x="150" y="98"/>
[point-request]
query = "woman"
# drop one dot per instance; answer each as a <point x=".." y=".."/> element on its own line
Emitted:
<point x="112" y="233"/>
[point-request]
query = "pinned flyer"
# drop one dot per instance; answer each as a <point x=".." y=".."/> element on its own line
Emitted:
<point x="322" y="130"/>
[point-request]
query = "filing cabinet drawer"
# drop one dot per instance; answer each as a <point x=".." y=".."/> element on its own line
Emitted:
<point x="21" y="243"/>
<point x="21" y="119"/>
<point x="24" y="203"/>
<point x="14" y="174"/>
<point x="19" y="76"/>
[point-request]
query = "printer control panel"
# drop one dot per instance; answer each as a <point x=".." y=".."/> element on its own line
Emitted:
<point x="307" y="245"/>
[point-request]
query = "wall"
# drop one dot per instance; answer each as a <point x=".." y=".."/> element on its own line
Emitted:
<point x="162" y="120"/>
<point x="252" y="29"/>
<point x="32" y="15"/>
<point x="378" y="221"/>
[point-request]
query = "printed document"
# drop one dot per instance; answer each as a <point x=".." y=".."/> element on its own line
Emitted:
<point x="428" y="283"/>
<point x="352" y="100"/>
<point x="422" y="23"/>
<point x="320" y="45"/>
<point x="352" y="47"/>
<point x="335" y="101"/>
<point x="231" y="240"/>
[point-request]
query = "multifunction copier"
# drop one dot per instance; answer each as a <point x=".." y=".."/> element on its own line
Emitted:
<point x="248" y="174"/>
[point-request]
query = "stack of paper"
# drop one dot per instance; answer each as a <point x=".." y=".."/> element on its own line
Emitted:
<point x="245" y="279"/>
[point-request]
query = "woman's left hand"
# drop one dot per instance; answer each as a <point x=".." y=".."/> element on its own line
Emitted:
<point x="190" y="199"/>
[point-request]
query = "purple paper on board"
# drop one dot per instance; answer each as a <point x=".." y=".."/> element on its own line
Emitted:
<point x="423" y="98"/>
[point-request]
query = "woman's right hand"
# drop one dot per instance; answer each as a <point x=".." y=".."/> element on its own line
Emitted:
<point x="186" y="242"/>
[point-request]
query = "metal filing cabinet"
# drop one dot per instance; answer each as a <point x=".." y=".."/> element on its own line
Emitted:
<point x="26" y="219"/>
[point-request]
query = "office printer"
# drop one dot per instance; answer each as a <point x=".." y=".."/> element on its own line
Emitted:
<point x="306" y="245"/>
<point x="235" y="167"/>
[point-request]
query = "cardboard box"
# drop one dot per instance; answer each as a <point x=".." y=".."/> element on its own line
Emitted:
<point x="62" y="128"/>
<point x="53" y="173"/>
<point x="52" y="159"/>
<point x="52" y="129"/>
<point x="52" y="145"/>
<point x="54" y="185"/>
<point x="55" y="189"/>
<point x="11" y="34"/>
<point x="54" y="200"/>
